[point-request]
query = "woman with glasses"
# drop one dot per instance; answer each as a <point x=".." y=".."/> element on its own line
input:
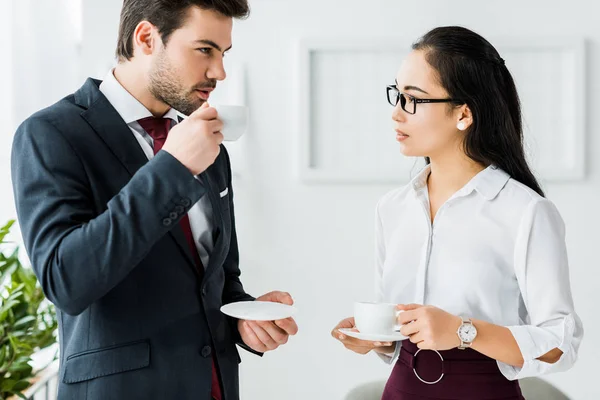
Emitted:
<point x="471" y="250"/>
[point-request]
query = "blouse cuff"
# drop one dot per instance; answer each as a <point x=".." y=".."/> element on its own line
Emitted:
<point x="391" y="358"/>
<point x="536" y="341"/>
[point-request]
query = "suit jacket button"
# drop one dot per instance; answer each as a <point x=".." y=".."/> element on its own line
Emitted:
<point x="167" y="221"/>
<point x="206" y="351"/>
<point x="179" y="209"/>
<point x="204" y="291"/>
<point x="173" y="215"/>
<point x="185" y="202"/>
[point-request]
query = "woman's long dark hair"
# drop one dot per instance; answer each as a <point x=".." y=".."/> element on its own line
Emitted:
<point x="471" y="70"/>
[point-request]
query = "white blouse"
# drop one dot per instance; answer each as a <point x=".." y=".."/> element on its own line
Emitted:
<point x="495" y="251"/>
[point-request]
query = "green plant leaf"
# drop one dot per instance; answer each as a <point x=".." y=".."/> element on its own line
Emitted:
<point x="16" y="289"/>
<point x="5" y="229"/>
<point x="19" y="334"/>
<point x="19" y="394"/>
<point x="7" y="270"/>
<point x="21" y="385"/>
<point x="2" y="355"/>
<point x="21" y="368"/>
<point x="25" y="321"/>
<point x="7" y="385"/>
<point x="8" y="305"/>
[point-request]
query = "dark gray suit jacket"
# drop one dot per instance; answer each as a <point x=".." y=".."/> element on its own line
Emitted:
<point x="100" y="225"/>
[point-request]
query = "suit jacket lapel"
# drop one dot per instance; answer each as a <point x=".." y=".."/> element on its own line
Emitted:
<point x="213" y="193"/>
<point x="109" y="125"/>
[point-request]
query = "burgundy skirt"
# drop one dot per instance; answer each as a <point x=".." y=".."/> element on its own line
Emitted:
<point x="451" y="374"/>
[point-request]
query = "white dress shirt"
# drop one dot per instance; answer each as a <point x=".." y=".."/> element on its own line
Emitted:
<point x="131" y="110"/>
<point x="495" y="251"/>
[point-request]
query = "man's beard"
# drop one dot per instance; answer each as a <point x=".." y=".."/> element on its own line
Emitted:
<point x="165" y="86"/>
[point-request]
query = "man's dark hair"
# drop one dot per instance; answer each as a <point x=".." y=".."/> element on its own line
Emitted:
<point x="167" y="16"/>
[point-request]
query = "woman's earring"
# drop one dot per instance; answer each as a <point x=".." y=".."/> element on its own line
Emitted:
<point x="461" y="126"/>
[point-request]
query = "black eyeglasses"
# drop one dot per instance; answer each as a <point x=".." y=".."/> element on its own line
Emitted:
<point x="407" y="101"/>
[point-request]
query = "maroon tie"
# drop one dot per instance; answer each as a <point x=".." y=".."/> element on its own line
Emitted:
<point x="158" y="128"/>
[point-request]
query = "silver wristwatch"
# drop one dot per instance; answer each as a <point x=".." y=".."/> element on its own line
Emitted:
<point x="466" y="333"/>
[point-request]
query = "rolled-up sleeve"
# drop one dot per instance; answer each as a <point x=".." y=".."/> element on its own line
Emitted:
<point x="548" y="318"/>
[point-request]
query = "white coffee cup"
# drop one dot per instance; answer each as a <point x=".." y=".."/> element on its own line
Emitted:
<point x="235" y="120"/>
<point x="377" y="318"/>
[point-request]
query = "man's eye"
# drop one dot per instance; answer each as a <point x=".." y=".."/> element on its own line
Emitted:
<point x="205" y="50"/>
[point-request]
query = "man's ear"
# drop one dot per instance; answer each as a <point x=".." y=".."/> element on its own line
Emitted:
<point x="145" y="38"/>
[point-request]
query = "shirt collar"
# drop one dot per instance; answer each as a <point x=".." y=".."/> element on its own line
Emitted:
<point x="420" y="181"/>
<point x="128" y="107"/>
<point x="488" y="183"/>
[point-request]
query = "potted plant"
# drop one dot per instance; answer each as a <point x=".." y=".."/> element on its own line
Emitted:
<point x="27" y="320"/>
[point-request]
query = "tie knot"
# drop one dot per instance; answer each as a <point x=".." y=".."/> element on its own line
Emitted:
<point x="157" y="128"/>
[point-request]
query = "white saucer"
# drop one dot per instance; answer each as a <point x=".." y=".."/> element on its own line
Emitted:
<point x="258" y="310"/>
<point x="373" y="337"/>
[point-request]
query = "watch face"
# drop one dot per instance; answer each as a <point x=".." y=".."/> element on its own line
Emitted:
<point x="467" y="333"/>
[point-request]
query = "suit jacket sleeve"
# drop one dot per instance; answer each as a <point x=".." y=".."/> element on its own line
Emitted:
<point x="79" y="253"/>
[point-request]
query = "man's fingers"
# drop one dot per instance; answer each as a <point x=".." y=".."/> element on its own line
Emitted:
<point x="218" y="136"/>
<point x="284" y="298"/>
<point x="263" y="336"/>
<point x="200" y="109"/>
<point x="276" y="333"/>
<point x="277" y="297"/>
<point x="205" y="112"/>
<point x="255" y="342"/>
<point x="216" y="125"/>
<point x="288" y="325"/>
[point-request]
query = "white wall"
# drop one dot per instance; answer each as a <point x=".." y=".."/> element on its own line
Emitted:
<point x="100" y="29"/>
<point x="6" y="116"/>
<point x="46" y="53"/>
<point x="41" y="40"/>
<point x="316" y="241"/>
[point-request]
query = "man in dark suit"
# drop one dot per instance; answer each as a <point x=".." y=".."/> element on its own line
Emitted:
<point x="127" y="216"/>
